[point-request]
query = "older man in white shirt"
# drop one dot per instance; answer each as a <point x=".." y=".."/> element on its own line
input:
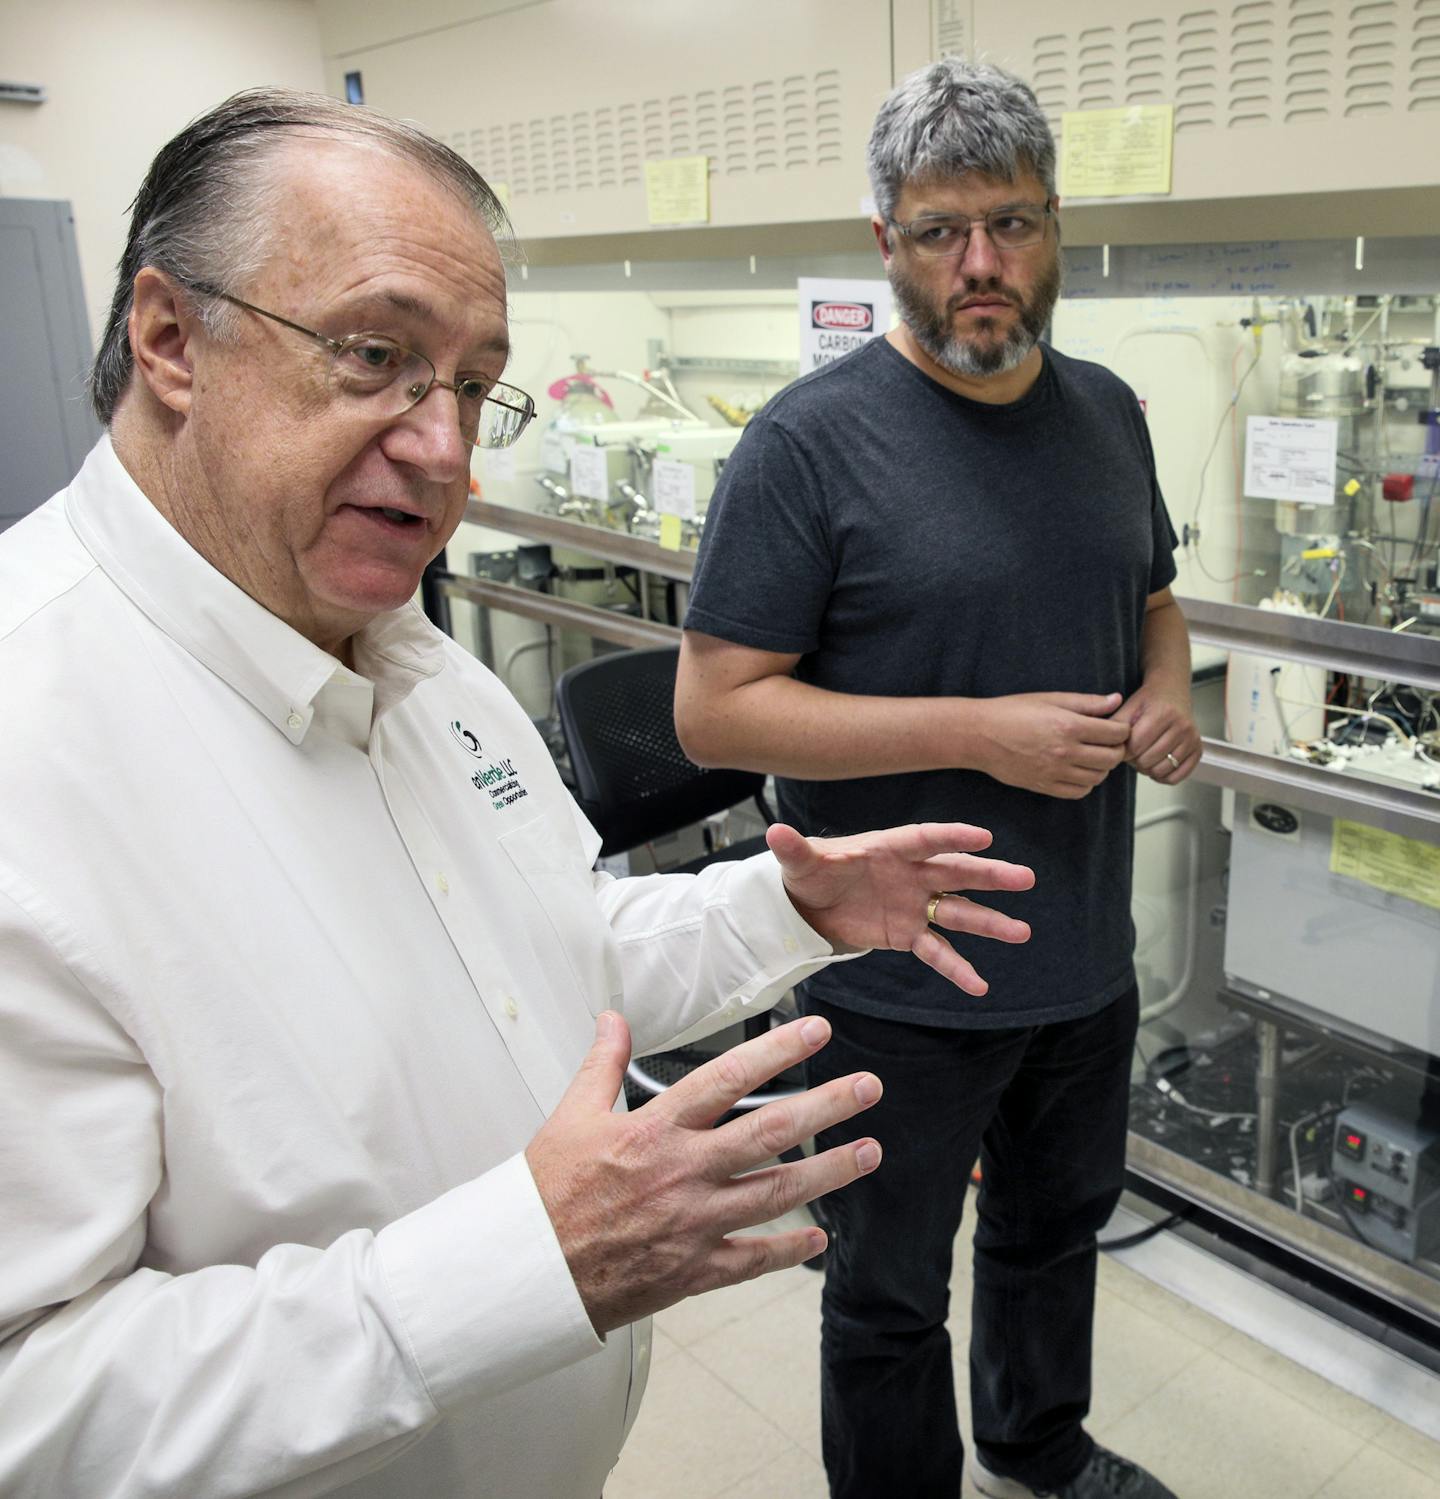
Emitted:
<point x="300" y="943"/>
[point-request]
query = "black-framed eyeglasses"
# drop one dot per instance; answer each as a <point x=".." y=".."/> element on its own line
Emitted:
<point x="1010" y="228"/>
<point x="390" y="379"/>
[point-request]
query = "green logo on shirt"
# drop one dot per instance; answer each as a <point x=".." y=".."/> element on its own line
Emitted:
<point x="465" y="739"/>
<point x="498" y="778"/>
<point x="501" y="782"/>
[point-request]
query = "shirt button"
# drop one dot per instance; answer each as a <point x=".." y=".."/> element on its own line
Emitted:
<point x="442" y="884"/>
<point x="295" y="721"/>
<point x="511" y="1008"/>
<point x="791" y="944"/>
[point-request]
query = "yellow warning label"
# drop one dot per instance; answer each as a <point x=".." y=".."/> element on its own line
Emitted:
<point x="1388" y="861"/>
<point x="1116" y="153"/>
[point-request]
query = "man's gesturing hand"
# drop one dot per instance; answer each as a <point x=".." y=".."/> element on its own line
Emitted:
<point x="1057" y="743"/>
<point x="642" y="1203"/>
<point x="874" y="890"/>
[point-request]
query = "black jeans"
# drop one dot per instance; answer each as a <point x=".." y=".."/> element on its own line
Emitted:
<point x="1044" y="1108"/>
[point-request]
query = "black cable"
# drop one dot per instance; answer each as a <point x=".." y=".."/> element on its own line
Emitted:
<point x="1353" y="1224"/>
<point x="1169" y="1062"/>
<point x="1129" y="1241"/>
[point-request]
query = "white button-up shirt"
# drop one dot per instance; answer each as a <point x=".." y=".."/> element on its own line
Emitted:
<point x="294" y="961"/>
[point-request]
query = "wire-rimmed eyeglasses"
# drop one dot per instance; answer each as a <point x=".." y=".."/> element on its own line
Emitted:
<point x="1011" y="228"/>
<point x="391" y="379"/>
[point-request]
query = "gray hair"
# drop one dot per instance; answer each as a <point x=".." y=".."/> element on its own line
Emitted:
<point x="954" y="117"/>
<point x="205" y="213"/>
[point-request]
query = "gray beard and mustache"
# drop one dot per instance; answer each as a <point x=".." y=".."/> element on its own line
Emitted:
<point x="975" y="357"/>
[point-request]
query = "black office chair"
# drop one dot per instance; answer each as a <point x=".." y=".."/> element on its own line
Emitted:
<point x="632" y="779"/>
<point x="635" y="783"/>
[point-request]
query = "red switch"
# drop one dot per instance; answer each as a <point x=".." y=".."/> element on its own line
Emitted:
<point x="1398" y="486"/>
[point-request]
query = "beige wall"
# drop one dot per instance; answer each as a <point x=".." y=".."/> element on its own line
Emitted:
<point x="122" y="77"/>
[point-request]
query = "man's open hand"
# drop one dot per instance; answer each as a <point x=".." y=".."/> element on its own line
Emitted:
<point x="642" y="1203"/>
<point x="874" y="890"/>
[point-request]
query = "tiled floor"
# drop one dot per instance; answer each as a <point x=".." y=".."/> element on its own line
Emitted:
<point x="733" y="1407"/>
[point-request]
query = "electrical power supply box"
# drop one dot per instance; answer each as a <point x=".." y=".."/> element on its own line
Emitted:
<point x="1387" y="1175"/>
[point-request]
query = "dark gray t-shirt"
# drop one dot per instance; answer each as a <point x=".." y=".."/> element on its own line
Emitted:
<point x="908" y="542"/>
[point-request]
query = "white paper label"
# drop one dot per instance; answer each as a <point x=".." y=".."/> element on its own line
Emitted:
<point x="836" y="317"/>
<point x="1291" y="458"/>
<point x="674" y="486"/>
<point x="498" y="463"/>
<point x="590" y="473"/>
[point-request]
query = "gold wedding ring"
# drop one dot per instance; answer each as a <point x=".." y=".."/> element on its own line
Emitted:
<point x="1173" y="761"/>
<point x="934" y="905"/>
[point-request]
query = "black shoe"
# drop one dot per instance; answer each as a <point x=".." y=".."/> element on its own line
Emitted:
<point x="1106" y="1476"/>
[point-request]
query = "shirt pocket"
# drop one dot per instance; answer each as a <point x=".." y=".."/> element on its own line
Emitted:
<point x="573" y="940"/>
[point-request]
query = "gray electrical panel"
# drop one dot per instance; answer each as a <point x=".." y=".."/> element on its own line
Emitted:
<point x="46" y="424"/>
<point x="1387" y="1171"/>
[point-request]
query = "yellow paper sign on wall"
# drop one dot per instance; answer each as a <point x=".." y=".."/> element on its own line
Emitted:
<point x="1402" y="866"/>
<point x="670" y="532"/>
<point x="1116" y="153"/>
<point x="677" y="190"/>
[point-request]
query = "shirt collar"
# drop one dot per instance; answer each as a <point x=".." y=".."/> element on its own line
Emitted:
<point x="270" y="664"/>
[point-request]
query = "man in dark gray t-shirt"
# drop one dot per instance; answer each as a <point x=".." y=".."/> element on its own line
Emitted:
<point x="934" y="584"/>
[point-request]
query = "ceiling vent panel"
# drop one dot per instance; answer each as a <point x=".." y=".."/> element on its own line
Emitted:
<point x="1255" y="62"/>
<point x="786" y="124"/>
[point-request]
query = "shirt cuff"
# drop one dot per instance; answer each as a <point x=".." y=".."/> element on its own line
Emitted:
<point x="764" y="870"/>
<point x="483" y="1290"/>
<point x="785" y="946"/>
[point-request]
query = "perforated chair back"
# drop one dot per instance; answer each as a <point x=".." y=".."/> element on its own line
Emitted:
<point x="632" y="779"/>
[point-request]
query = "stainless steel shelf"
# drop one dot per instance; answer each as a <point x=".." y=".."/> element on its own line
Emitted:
<point x="612" y="546"/>
<point x="1359" y="649"/>
<point x="785" y="368"/>
<point x="1397" y="809"/>
<point x="1396" y="1281"/>
<point x="565" y="614"/>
